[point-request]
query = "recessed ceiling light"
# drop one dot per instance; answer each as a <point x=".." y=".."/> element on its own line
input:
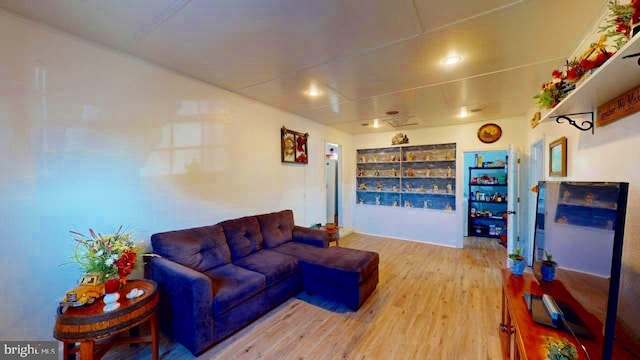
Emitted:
<point x="463" y="113"/>
<point x="313" y="92"/>
<point x="376" y="123"/>
<point x="451" y="60"/>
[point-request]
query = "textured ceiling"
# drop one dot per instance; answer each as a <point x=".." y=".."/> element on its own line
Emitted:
<point x="364" y="57"/>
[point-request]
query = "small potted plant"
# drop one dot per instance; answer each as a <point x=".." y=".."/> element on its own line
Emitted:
<point x="560" y="349"/>
<point x="548" y="267"/>
<point x="517" y="262"/>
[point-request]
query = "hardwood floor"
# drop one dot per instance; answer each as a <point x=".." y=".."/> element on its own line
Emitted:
<point x="432" y="302"/>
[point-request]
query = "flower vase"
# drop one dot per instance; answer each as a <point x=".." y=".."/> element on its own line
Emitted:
<point x="111" y="296"/>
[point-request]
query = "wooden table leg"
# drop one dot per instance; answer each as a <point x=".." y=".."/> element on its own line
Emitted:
<point x="66" y="351"/>
<point x="86" y="350"/>
<point x="154" y="336"/>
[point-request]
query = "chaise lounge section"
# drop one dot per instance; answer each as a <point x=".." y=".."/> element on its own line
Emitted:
<point x="216" y="279"/>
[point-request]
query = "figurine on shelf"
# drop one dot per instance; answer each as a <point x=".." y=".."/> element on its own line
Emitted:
<point x="360" y="172"/>
<point x="377" y="200"/>
<point x="410" y="172"/>
<point x="409" y="156"/>
<point x="379" y="186"/>
<point x="360" y="201"/>
<point x="395" y="203"/>
<point x="566" y="195"/>
<point x="448" y="207"/>
<point x="427" y="155"/>
<point x="449" y="172"/>
<point x="377" y="173"/>
<point x="375" y="158"/>
<point x="393" y="157"/>
<point x="422" y="189"/>
<point x="426" y="204"/>
<point x="435" y="188"/>
<point x="363" y="159"/>
<point x="363" y="187"/>
<point x="407" y="203"/>
<point x="588" y="198"/>
<point x="394" y="172"/>
<point x="449" y="188"/>
<point x="427" y="172"/>
<point x="408" y="187"/>
<point x="395" y="188"/>
<point x="449" y="155"/>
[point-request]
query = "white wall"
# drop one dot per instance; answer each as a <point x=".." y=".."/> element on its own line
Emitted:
<point x="432" y="226"/>
<point x="608" y="155"/>
<point x="93" y="138"/>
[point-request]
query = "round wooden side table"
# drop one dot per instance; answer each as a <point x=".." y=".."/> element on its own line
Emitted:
<point x="334" y="234"/>
<point x="86" y="324"/>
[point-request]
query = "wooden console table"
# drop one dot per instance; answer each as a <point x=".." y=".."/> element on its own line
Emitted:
<point x="522" y="338"/>
<point x="89" y="323"/>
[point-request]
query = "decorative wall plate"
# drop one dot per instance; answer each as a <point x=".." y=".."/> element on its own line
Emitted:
<point x="489" y="133"/>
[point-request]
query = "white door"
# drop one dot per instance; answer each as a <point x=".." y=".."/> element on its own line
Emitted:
<point x="513" y="171"/>
<point x="332" y="195"/>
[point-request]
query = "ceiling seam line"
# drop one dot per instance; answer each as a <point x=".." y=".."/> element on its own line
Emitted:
<point x="499" y="8"/>
<point x="417" y="16"/>
<point x="453" y="81"/>
<point x="338" y="59"/>
<point x="173" y="9"/>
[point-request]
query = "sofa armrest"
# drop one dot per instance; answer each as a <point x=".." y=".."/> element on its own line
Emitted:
<point x="186" y="298"/>
<point x="315" y="237"/>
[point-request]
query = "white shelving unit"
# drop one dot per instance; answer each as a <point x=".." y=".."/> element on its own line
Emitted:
<point x="612" y="79"/>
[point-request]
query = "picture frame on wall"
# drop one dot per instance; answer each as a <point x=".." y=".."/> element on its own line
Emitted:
<point x="558" y="157"/>
<point x="293" y="146"/>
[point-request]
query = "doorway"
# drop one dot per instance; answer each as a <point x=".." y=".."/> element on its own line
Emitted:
<point x="333" y="176"/>
<point x="536" y="173"/>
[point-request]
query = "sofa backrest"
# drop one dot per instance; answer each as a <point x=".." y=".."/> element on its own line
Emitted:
<point x="243" y="235"/>
<point x="202" y="248"/>
<point x="276" y="228"/>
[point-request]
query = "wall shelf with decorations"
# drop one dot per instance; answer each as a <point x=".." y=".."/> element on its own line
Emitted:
<point x="618" y="75"/>
<point x="421" y="176"/>
<point x="487" y="201"/>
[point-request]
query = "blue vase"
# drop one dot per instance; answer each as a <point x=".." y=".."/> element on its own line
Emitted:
<point x="548" y="272"/>
<point x="517" y="267"/>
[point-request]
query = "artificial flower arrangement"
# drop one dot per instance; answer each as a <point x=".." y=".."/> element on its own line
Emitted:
<point x="620" y="21"/>
<point x="110" y="256"/>
<point x="564" y="82"/>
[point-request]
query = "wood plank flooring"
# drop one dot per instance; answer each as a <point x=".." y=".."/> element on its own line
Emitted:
<point x="432" y="302"/>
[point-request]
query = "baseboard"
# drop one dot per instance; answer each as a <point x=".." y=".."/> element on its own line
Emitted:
<point x="404" y="239"/>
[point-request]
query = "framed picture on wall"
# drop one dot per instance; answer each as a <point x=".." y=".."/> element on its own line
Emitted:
<point x="558" y="157"/>
<point x="293" y="146"/>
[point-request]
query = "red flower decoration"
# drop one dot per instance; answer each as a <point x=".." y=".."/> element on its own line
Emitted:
<point x="301" y="142"/>
<point x="126" y="263"/>
<point x="557" y="74"/>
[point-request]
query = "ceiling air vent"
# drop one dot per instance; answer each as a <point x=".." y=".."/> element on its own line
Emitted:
<point x="402" y="121"/>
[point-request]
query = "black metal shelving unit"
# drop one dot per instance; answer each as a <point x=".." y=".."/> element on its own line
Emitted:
<point x="485" y="214"/>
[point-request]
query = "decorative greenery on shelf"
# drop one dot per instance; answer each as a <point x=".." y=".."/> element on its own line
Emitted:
<point x="620" y="21"/>
<point x="560" y="349"/>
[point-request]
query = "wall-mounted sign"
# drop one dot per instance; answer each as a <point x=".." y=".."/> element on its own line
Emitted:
<point x="623" y="105"/>
<point x="535" y="120"/>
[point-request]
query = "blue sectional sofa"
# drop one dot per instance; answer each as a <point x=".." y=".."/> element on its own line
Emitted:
<point x="216" y="279"/>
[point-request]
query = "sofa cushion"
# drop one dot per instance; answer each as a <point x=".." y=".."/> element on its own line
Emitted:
<point x="274" y="265"/>
<point x="243" y="235"/>
<point x="276" y="228"/>
<point x="200" y="248"/>
<point x="300" y="250"/>
<point x="232" y="285"/>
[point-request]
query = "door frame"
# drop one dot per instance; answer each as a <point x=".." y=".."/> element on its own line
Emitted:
<point x="531" y="181"/>
<point x="339" y="189"/>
